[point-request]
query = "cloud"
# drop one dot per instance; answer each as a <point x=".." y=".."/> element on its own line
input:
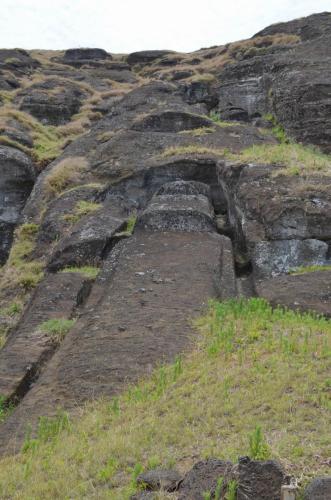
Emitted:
<point x="129" y="25"/>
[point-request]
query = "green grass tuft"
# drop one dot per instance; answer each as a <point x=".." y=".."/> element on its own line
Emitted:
<point x="88" y="271"/>
<point x="194" y="149"/>
<point x="57" y="328"/>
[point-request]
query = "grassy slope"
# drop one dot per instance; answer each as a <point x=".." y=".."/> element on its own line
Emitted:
<point x="251" y="366"/>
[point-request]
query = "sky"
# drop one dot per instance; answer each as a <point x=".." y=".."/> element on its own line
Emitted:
<point x="124" y="26"/>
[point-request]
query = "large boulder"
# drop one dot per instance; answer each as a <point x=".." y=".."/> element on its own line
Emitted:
<point x="52" y="101"/>
<point x="87" y="242"/>
<point x="17" y="60"/>
<point x="171" y="121"/>
<point x="17" y="176"/>
<point x="202" y="478"/>
<point x="85" y="56"/>
<point x="146" y="56"/>
<point x="259" y="480"/>
<point x="318" y="489"/>
<point x="159" y="479"/>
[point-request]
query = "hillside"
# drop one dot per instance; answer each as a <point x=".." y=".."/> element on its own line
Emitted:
<point x="134" y="189"/>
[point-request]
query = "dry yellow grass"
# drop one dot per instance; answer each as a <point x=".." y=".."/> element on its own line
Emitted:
<point x="65" y="174"/>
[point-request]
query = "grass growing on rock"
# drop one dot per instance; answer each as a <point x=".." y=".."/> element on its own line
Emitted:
<point x="20" y="270"/>
<point x="252" y="366"/>
<point x="309" y="269"/>
<point x="297" y="159"/>
<point x="65" y="174"/>
<point x="88" y="271"/>
<point x="57" y="328"/>
<point x="194" y="149"/>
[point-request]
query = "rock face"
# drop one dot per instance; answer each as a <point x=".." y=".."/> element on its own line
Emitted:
<point x="17" y="176"/>
<point x="293" y="84"/>
<point x="174" y="214"/>
<point x="53" y="102"/>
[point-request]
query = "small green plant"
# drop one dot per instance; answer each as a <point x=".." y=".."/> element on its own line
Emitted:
<point x="57" y="328"/>
<point x="207" y="495"/>
<point x="88" y="271"/>
<point x="130" y="224"/>
<point x="136" y="470"/>
<point x="218" y="489"/>
<point x="108" y="471"/>
<point x="277" y="129"/>
<point x="231" y="493"/>
<point x="258" y="447"/>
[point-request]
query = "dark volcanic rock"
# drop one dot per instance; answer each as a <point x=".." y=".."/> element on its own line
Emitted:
<point x="158" y="479"/>
<point x="171" y="121"/>
<point x="259" y="480"/>
<point x="310" y="291"/>
<point x="82" y="56"/>
<point x="87" y="241"/>
<point x="203" y="478"/>
<point x="318" y="489"/>
<point x="17" y="176"/>
<point x="293" y="83"/>
<point x="275" y="257"/>
<point x="146" y="56"/>
<point x="52" y="101"/>
<point x="17" y="60"/>
<point x="200" y="92"/>
<point x="307" y="28"/>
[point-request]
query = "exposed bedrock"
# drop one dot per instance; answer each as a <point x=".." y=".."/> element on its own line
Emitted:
<point x="28" y="348"/>
<point x="52" y="101"/>
<point x="17" y="176"/>
<point x="162" y="295"/>
<point x="292" y="82"/>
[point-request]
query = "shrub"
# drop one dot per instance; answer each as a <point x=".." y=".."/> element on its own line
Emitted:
<point x="258" y="447"/>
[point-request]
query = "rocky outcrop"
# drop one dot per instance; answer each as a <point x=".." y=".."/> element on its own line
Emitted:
<point x="17" y="176"/>
<point x="155" y="156"/>
<point x="81" y="56"/>
<point x="52" y="101"/>
<point x="146" y="56"/>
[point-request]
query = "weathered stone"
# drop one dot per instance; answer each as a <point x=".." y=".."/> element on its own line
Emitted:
<point x="310" y="291"/>
<point x="146" y="56"/>
<point x="159" y="479"/>
<point x="318" y="489"/>
<point x="203" y="478"/>
<point x="17" y="176"/>
<point x="178" y="213"/>
<point x="81" y="56"/>
<point x="87" y="241"/>
<point x="275" y="257"/>
<point x="51" y="101"/>
<point x="259" y="480"/>
<point x="171" y="121"/>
